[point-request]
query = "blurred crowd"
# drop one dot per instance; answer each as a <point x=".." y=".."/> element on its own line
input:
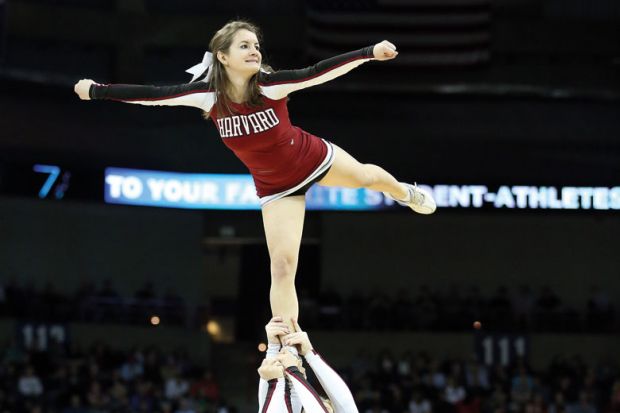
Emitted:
<point x="519" y="309"/>
<point x="91" y="303"/>
<point x="103" y="380"/>
<point x="516" y="309"/>
<point x="421" y="384"/>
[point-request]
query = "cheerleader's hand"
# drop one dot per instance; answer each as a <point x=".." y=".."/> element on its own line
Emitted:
<point x="83" y="87"/>
<point x="270" y="369"/>
<point x="299" y="338"/>
<point x="276" y="328"/>
<point x="384" y="51"/>
<point x="287" y="359"/>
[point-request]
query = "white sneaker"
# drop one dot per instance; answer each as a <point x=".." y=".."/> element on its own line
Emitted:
<point x="419" y="200"/>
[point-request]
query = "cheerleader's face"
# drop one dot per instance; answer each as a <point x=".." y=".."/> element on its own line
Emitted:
<point x="243" y="55"/>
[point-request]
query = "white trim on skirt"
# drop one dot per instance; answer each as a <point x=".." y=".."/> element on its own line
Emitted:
<point x="327" y="162"/>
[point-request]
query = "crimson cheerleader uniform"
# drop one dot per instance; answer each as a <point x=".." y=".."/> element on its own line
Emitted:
<point x="283" y="159"/>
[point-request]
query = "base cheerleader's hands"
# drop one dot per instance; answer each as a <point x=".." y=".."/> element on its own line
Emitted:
<point x="276" y="328"/>
<point x="299" y="338"/>
<point x="384" y="51"/>
<point x="82" y="88"/>
<point x="287" y="359"/>
<point x="271" y="369"/>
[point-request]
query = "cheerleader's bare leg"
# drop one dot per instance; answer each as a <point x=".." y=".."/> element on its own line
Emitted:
<point x="348" y="172"/>
<point x="283" y="220"/>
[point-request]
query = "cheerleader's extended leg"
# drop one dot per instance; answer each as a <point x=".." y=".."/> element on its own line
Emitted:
<point x="347" y="172"/>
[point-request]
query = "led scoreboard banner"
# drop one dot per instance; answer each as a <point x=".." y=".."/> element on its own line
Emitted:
<point x="219" y="191"/>
<point x="237" y="192"/>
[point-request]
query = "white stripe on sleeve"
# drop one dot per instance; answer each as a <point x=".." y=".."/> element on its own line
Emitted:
<point x="280" y="91"/>
<point x="204" y="101"/>
<point x="336" y="389"/>
<point x="273" y="401"/>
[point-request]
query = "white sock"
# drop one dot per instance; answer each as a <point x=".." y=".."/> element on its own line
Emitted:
<point x="408" y="197"/>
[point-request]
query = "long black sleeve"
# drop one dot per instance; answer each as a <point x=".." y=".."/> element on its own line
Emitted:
<point x="197" y="94"/>
<point x="279" y="84"/>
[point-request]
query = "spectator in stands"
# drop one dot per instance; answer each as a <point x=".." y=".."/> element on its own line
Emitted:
<point x="523" y="306"/>
<point x="142" y="399"/>
<point x="428" y="311"/>
<point x="146" y="292"/>
<point x="174" y="306"/>
<point x="536" y="404"/>
<point x="583" y="405"/>
<point x="404" y="365"/>
<point x="75" y="405"/>
<point x="206" y="387"/>
<point x="119" y="394"/>
<point x="473" y="303"/>
<point x="499" y="307"/>
<point x="185" y="406"/>
<point x="419" y="403"/>
<point x="522" y="387"/>
<point x="96" y="397"/>
<point x="402" y="312"/>
<point x="497" y="402"/>
<point x="29" y="384"/>
<point x="386" y="365"/>
<point x="547" y="306"/>
<point x="425" y="308"/>
<point x="355" y="310"/>
<point x="176" y="387"/>
<point x="435" y="378"/>
<point x="450" y="310"/>
<point x="330" y="309"/>
<point x="132" y="367"/>
<point x="454" y="393"/>
<point x="559" y="403"/>
<point x="107" y="291"/>
<point x="477" y="376"/>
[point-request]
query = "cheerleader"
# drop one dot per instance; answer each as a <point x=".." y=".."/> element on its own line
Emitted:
<point x="300" y="393"/>
<point x="247" y="102"/>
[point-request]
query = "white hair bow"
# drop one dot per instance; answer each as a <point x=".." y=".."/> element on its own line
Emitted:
<point x="205" y="65"/>
<point x="200" y="68"/>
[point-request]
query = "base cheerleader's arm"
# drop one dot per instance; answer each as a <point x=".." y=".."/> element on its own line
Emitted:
<point x="273" y="400"/>
<point x="277" y="85"/>
<point x="271" y="387"/>
<point x="310" y="399"/>
<point x="337" y="390"/>
<point x="274" y="329"/>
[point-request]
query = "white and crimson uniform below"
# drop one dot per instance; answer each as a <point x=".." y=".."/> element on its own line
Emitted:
<point x="282" y="158"/>
<point x="277" y="395"/>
